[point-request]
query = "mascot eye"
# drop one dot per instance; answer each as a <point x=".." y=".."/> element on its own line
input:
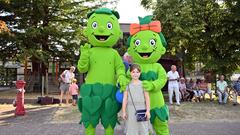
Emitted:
<point x="152" y="42"/>
<point x="137" y="42"/>
<point x="94" y="25"/>
<point x="109" y="26"/>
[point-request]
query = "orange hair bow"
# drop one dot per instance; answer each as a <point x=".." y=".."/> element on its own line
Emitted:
<point x="153" y="26"/>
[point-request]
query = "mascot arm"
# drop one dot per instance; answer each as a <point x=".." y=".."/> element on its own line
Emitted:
<point x="83" y="62"/>
<point x="162" y="79"/>
<point x="120" y="72"/>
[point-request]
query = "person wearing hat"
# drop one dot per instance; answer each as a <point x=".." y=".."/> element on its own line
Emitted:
<point x="66" y="79"/>
<point x="183" y="89"/>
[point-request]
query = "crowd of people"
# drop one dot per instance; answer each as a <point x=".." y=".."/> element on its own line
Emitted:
<point x="187" y="89"/>
<point x="184" y="89"/>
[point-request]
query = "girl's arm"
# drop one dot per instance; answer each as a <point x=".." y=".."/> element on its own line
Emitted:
<point x="78" y="91"/>
<point x="124" y="104"/>
<point x="147" y="102"/>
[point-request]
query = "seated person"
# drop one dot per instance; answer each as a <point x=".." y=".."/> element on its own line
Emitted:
<point x="182" y="89"/>
<point x="203" y="88"/>
<point x="222" y="90"/>
<point x="196" y="90"/>
<point x="236" y="87"/>
<point x="189" y="88"/>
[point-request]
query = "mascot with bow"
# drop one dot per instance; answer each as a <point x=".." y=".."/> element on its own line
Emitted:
<point x="146" y="46"/>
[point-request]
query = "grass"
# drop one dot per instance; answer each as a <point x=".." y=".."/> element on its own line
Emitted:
<point x="204" y="111"/>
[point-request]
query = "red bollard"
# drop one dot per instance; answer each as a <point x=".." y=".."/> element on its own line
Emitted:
<point x="20" y="110"/>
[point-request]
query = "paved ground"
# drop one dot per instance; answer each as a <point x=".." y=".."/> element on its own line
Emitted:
<point x="203" y="118"/>
<point x="54" y="120"/>
<point x="5" y="88"/>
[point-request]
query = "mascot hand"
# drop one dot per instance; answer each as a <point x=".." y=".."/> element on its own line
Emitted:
<point x="85" y="51"/>
<point x="147" y="85"/>
<point x="123" y="81"/>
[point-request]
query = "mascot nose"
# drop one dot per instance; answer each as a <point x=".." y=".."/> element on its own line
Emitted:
<point x="144" y="47"/>
<point x="101" y="29"/>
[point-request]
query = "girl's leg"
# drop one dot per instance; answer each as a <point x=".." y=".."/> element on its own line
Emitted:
<point x="74" y="102"/>
<point x="161" y="128"/>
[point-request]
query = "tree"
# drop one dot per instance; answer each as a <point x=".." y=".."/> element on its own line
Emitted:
<point x="204" y="31"/>
<point x="43" y="30"/>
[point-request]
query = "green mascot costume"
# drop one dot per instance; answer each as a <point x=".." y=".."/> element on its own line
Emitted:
<point x="104" y="69"/>
<point x="147" y="45"/>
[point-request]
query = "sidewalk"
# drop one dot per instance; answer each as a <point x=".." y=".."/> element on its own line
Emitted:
<point x="55" y="120"/>
<point x="202" y="118"/>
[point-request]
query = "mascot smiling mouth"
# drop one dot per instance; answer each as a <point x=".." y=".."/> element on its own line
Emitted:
<point x="145" y="55"/>
<point x="101" y="37"/>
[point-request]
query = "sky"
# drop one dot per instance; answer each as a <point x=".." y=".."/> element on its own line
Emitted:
<point x="129" y="11"/>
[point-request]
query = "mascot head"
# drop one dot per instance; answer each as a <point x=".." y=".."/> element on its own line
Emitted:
<point x="103" y="28"/>
<point x="146" y="42"/>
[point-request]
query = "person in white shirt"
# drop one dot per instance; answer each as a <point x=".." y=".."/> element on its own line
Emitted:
<point x="66" y="79"/>
<point x="222" y="90"/>
<point x="173" y="84"/>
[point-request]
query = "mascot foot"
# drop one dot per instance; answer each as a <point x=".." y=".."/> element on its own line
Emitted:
<point x="109" y="130"/>
<point x="161" y="128"/>
<point x="90" y="130"/>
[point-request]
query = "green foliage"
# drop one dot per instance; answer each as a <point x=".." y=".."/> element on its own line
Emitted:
<point x="43" y="29"/>
<point x="204" y="31"/>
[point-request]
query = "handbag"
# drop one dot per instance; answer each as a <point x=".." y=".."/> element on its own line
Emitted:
<point x="140" y="114"/>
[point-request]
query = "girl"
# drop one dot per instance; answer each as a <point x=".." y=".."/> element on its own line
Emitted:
<point x="135" y="98"/>
<point x="73" y="90"/>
